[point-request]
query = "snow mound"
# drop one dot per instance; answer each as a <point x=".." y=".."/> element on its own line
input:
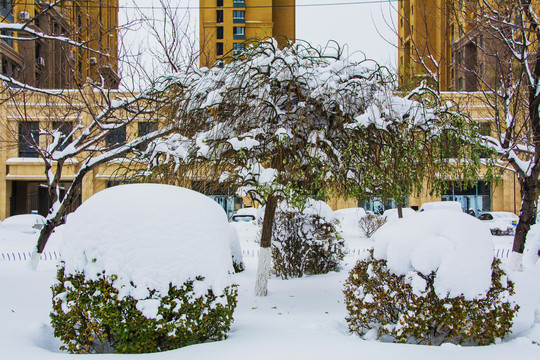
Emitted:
<point x="455" y="245"/>
<point x="150" y="236"/>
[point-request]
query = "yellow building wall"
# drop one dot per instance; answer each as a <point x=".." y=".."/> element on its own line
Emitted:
<point x="263" y="19"/>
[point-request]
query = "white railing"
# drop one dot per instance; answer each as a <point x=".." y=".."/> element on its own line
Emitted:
<point x="27" y="255"/>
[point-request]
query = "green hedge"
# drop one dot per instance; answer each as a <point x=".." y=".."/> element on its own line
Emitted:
<point x="383" y="305"/>
<point x="305" y="244"/>
<point x="89" y="317"/>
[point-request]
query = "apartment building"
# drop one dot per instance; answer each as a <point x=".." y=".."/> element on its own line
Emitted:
<point x="438" y="38"/>
<point x="51" y="64"/>
<point x="227" y="26"/>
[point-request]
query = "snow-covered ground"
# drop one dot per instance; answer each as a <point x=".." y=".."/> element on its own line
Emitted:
<point x="299" y="319"/>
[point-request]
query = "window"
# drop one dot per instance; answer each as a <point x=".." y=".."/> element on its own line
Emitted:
<point x="65" y="127"/>
<point x="219" y="16"/>
<point x="116" y="137"/>
<point x="460" y="58"/>
<point x="452" y="31"/>
<point x="481" y="42"/>
<point x="219" y="3"/>
<point x="239" y="3"/>
<point x="219" y="32"/>
<point x="239" y="16"/>
<point x="412" y="9"/>
<point x="219" y="49"/>
<point x="460" y="31"/>
<point x="145" y="128"/>
<point x="238" y="33"/>
<point x="7" y="41"/>
<point x="238" y="48"/>
<point x="28" y="139"/>
<point x="7" y="68"/>
<point x="460" y="84"/>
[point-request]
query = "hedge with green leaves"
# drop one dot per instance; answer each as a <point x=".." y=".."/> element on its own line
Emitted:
<point x="381" y="304"/>
<point x="305" y="244"/>
<point x="90" y="317"/>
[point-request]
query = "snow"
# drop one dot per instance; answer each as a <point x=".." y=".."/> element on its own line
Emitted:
<point x="150" y="236"/>
<point x="453" y="244"/>
<point x="299" y="319"/>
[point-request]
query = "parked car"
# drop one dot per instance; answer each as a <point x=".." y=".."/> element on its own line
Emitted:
<point x="392" y="214"/>
<point x="441" y="205"/>
<point x="500" y="222"/>
<point x="28" y="223"/>
<point x="242" y="218"/>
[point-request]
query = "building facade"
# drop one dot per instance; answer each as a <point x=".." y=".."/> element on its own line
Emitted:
<point x="52" y="64"/>
<point x="440" y="39"/>
<point x="227" y="26"/>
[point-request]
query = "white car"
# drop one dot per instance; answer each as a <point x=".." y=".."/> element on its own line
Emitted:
<point x="441" y="205"/>
<point x="500" y="222"/>
<point x="392" y="214"/>
<point x="28" y="223"/>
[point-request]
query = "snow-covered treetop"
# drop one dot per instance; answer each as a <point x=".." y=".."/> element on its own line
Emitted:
<point x="275" y="118"/>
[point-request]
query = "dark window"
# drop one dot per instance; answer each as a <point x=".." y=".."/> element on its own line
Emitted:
<point x="7" y="68"/>
<point x="219" y="3"/>
<point x="28" y="139"/>
<point x="460" y="84"/>
<point x="239" y="16"/>
<point x="219" y="32"/>
<point x="219" y="49"/>
<point x="65" y="127"/>
<point x="219" y="16"/>
<point x="116" y="137"/>
<point x="145" y="128"/>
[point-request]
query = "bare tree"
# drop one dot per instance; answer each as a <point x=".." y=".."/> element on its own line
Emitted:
<point x="89" y="124"/>
<point x="498" y="57"/>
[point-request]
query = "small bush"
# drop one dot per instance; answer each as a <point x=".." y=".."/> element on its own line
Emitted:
<point x="370" y="223"/>
<point x="305" y="244"/>
<point x="382" y="304"/>
<point x="89" y="316"/>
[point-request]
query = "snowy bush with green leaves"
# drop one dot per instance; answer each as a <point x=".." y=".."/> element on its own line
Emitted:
<point x="306" y="241"/>
<point x="431" y="279"/>
<point x="145" y="268"/>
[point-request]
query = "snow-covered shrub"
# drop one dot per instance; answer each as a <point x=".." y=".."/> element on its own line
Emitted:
<point x="305" y="241"/>
<point x="145" y="268"/>
<point x="431" y="279"/>
<point x="91" y="316"/>
<point x="370" y="223"/>
<point x="380" y="304"/>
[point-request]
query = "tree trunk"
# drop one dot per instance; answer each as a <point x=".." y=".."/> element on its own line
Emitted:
<point x="399" y="210"/>
<point x="528" y="196"/>
<point x="265" y="254"/>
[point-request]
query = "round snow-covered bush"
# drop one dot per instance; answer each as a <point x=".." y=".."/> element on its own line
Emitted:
<point x="306" y="241"/>
<point x="145" y="268"/>
<point x="431" y="279"/>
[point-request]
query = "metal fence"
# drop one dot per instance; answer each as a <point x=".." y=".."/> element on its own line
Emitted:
<point x="27" y="255"/>
<point x="53" y="255"/>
